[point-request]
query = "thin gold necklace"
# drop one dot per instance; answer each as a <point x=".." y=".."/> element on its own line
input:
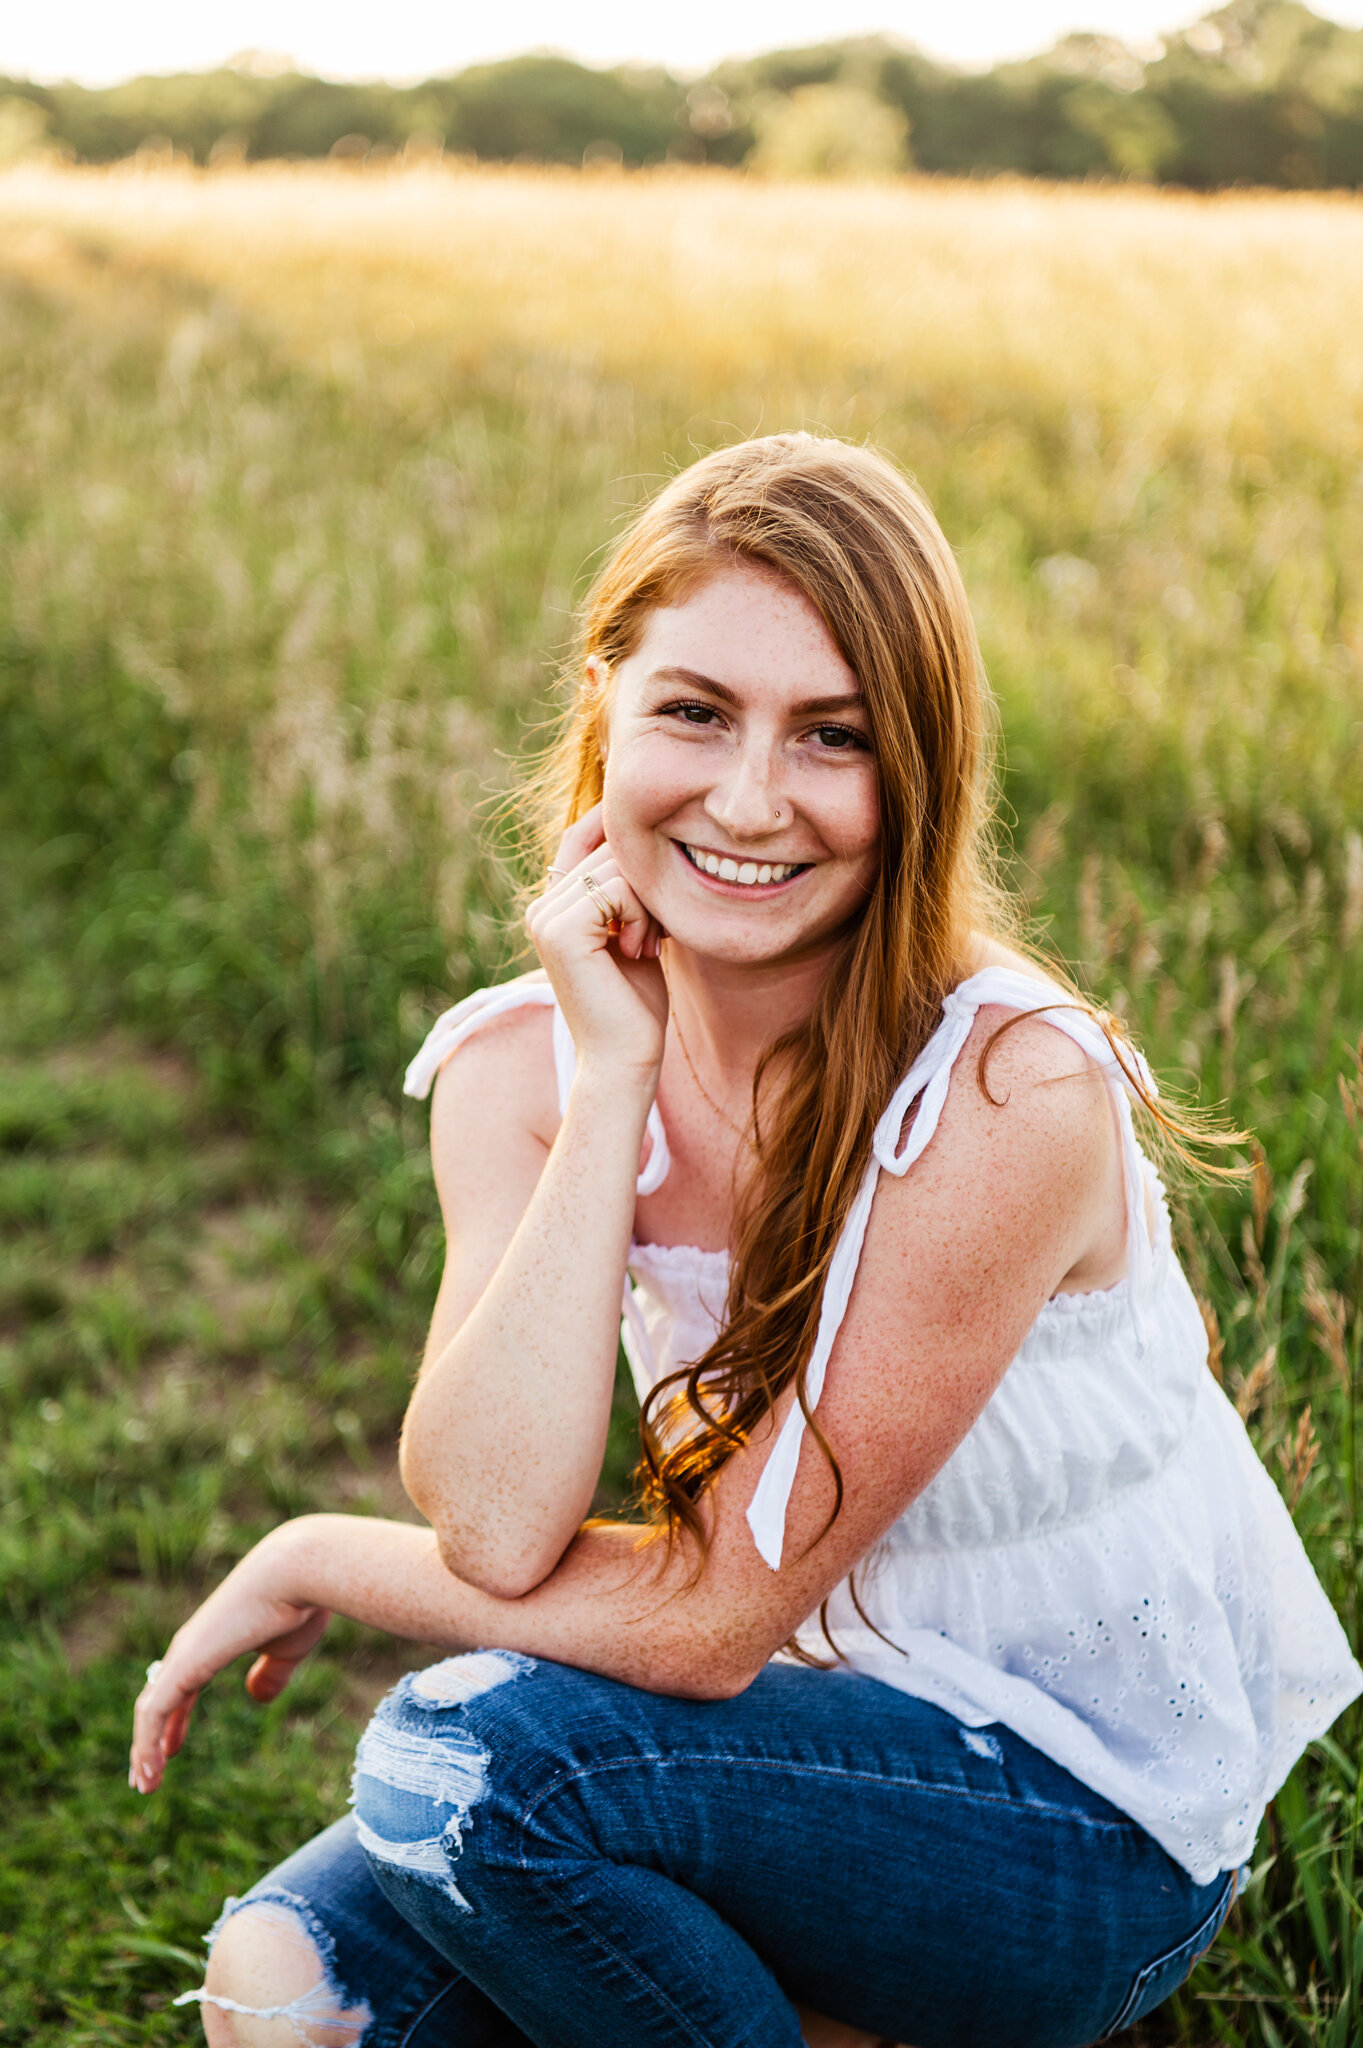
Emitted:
<point x="744" y="1134"/>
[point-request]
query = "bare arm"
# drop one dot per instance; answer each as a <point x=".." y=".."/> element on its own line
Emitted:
<point x="959" y="1257"/>
<point x="504" y="1437"/>
<point x="503" y="1440"/>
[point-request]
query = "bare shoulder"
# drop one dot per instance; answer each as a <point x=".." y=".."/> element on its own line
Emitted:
<point x="1039" y="1126"/>
<point x="499" y="1083"/>
<point x="1020" y="1081"/>
<point x="1025" y="1050"/>
<point x="1019" y="1190"/>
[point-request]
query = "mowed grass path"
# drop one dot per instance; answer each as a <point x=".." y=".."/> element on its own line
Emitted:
<point x="300" y="477"/>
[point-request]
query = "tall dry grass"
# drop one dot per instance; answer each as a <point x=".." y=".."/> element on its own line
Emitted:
<point x="1227" y="318"/>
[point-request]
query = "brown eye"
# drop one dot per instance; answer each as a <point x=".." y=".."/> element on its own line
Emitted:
<point x="691" y="714"/>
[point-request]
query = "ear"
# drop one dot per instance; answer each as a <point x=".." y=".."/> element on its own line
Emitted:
<point x="595" y="678"/>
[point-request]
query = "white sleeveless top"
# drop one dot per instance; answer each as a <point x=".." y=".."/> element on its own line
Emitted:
<point x="1103" y="1564"/>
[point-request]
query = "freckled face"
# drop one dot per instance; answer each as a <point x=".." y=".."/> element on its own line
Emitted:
<point x="740" y="789"/>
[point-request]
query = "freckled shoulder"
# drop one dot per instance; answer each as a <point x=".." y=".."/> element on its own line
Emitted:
<point x="1030" y="1054"/>
<point x="502" y="1079"/>
<point x="1017" y="1193"/>
<point x="1046" y="1104"/>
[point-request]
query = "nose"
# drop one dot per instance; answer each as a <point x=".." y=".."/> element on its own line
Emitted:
<point x="746" y="800"/>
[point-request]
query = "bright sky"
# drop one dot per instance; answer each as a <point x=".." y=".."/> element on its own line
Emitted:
<point x="97" y="43"/>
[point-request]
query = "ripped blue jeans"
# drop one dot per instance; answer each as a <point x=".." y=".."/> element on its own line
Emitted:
<point x="541" y="1855"/>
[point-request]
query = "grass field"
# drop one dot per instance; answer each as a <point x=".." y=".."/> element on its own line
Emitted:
<point x="301" y="473"/>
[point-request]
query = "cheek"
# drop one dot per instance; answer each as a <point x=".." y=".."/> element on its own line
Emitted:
<point x="641" y="788"/>
<point x="627" y="821"/>
<point x="850" y="817"/>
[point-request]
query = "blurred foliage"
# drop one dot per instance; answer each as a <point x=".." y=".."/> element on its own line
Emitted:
<point x="827" y="131"/>
<point x="1260" y="92"/>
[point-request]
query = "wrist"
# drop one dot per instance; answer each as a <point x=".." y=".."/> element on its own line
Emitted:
<point x="616" y="1089"/>
<point x="281" y="1560"/>
<point x="607" y="1114"/>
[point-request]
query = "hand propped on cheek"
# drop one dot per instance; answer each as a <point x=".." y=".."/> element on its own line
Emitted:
<point x="599" y="945"/>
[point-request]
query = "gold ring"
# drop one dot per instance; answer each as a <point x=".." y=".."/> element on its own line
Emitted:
<point x="554" y="874"/>
<point x="609" y="914"/>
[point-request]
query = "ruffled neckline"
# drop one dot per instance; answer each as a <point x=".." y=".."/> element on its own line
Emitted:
<point x="680" y="1256"/>
<point x="683" y="1259"/>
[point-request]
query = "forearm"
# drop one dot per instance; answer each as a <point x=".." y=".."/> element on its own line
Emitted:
<point x="607" y="1608"/>
<point x="504" y="1437"/>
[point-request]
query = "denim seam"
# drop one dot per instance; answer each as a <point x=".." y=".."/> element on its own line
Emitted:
<point x="1219" y="1914"/>
<point x="1041" y="1808"/>
<point x="631" y="1968"/>
<point x="409" y="2027"/>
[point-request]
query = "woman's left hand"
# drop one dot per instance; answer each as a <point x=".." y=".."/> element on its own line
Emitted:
<point x="248" y="1611"/>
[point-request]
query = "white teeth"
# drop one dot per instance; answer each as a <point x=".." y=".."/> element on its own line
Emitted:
<point x="746" y="873"/>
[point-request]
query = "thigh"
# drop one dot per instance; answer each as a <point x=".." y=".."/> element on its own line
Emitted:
<point x="922" y="1880"/>
<point x="372" y="1957"/>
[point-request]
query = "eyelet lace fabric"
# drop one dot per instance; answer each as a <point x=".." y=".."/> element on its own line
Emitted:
<point x="1103" y="1564"/>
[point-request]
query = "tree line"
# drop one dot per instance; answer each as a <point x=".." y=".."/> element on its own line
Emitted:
<point x="1261" y="92"/>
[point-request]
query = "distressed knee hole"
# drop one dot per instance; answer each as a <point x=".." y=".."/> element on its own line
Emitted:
<point x="413" y="1792"/>
<point x="460" y="1679"/>
<point x="272" y="1968"/>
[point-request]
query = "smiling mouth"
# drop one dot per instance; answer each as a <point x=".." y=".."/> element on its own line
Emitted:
<point x="746" y="874"/>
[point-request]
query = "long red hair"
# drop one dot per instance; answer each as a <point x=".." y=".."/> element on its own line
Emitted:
<point x="848" y="530"/>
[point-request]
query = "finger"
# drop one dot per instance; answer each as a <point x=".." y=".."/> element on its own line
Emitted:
<point x="633" y="939"/>
<point x="564" y="878"/>
<point x="269" y="1675"/>
<point x="568" y="904"/>
<point x="159" y="1700"/>
<point x="177" y="1725"/>
<point x="562" y="883"/>
<point x="619" y="915"/>
<point x="294" y="1644"/>
<point x="572" y="892"/>
<point x="147" y="1757"/>
<point x="581" y="838"/>
<point x="651" y="940"/>
<point x="636" y="930"/>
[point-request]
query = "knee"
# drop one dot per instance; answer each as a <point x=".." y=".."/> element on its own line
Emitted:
<point x="456" y="1756"/>
<point x="422" y="1768"/>
<point x="268" y="1985"/>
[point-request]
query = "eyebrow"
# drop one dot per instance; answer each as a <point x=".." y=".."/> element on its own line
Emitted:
<point x="692" y="678"/>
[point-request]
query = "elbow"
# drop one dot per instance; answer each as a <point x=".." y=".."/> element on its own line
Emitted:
<point x="479" y="1565"/>
<point x="714" y="1683"/>
<point x="692" y="1670"/>
<point x="467" y="1542"/>
<point x="418" y="1471"/>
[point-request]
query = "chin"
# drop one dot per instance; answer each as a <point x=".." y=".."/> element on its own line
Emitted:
<point x="726" y="939"/>
<point x="734" y="952"/>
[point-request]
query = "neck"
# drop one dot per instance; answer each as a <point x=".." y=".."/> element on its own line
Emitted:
<point x="731" y="1012"/>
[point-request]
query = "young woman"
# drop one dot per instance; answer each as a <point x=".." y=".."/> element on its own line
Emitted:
<point x="946" y="1703"/>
